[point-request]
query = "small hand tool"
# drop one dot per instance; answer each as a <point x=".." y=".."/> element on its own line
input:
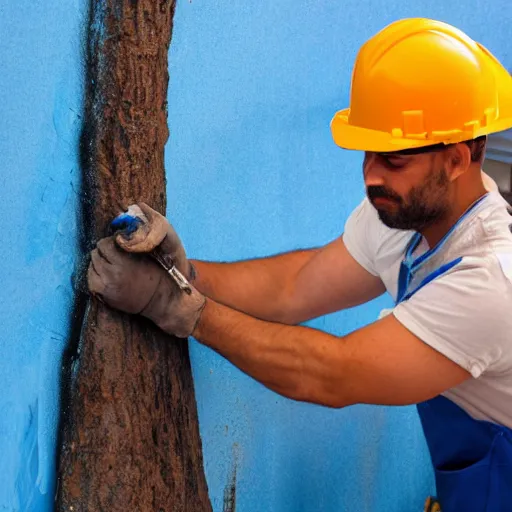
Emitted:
<point x="128" y="224"/>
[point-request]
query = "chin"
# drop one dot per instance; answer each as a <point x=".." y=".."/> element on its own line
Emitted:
<point x="394" y="221"/>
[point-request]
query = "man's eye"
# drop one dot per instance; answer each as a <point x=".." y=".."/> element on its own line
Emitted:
<point x="393" y="164"/>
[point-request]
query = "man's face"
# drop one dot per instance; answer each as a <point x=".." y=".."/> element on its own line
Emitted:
<point x="410" y="192"/>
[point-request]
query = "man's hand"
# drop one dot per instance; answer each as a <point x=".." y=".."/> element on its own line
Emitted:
<point x="154" y="231"/>
<point x="134" y="283"/>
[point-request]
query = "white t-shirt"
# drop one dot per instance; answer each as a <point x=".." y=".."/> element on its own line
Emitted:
<point x="465" y="313"/>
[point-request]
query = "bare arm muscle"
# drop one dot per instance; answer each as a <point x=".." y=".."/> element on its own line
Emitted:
<point x="290" y="288"/>
<point x="330" y="281"/>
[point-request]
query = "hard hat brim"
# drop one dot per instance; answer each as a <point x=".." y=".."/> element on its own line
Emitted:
<point x="352" y="137"/>
<point x="357" y="138"/>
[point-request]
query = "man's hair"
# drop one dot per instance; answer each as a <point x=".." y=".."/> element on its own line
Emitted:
<point x="477" y="147"/>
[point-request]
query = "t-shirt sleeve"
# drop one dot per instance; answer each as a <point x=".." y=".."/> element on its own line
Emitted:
<point x="466" y="316"/>
<point x="362" y="235"/>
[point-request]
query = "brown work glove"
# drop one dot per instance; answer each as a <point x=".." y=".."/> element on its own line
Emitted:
<point x="154" y="231"/>
<point x="134" y="283"/>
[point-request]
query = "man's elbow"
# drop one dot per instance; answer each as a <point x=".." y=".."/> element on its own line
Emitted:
<point x="289" y="316"/>
<point x="327" y="394"/>
<point x="288" y="312"/>
<point x="292" y="308"/>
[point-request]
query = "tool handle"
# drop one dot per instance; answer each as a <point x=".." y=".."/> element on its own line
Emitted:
<point x="126" y="223"/>
<point x="172" y="270"/>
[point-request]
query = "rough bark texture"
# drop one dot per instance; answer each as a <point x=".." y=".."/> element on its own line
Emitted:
<point x="129" y="431"/>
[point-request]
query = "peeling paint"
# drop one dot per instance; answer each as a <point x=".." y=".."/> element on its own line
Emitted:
<point x="229" y="504"/>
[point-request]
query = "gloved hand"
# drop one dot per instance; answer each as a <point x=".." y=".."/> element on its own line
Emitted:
<point x="154" y="230"/>
<point x="134" y="283"/>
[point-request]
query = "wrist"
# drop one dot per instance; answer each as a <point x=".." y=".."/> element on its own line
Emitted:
<point x="201" y="326"/>
<point x="198" y="277"/>
<point x="191" y="271"/>
<point x="175" y="311"/>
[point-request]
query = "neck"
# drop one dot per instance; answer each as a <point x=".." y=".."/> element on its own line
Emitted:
<point x="434" y="233"/>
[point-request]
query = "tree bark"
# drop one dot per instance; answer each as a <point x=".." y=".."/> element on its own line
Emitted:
<point x="129" y="437"/>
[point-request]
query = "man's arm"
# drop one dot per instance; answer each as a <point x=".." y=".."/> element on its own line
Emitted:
<point x="434" y="341"/>
<point x="382" y="363"/>
<point x="290" y="288"/>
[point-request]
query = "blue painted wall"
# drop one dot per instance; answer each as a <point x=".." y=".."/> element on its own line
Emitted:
<point x="251" y="170"/>
<point x="40" y="104"/>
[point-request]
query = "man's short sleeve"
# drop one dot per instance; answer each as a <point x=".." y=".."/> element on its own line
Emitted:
<point x="362" y="235"/>
<point x="466" y="316"/>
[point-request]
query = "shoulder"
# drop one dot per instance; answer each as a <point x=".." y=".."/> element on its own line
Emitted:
<point x="495" y="221"/>
<point x="466" y="313"/>
<point x="495" y="216"/>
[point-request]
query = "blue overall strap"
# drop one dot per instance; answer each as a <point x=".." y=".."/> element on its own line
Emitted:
<point x="404" y="275"/>
<point x="472" y="459"/>
<point x="409" y="265"/>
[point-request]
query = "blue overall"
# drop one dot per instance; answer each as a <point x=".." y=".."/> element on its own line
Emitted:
<point x="472" y="459"/>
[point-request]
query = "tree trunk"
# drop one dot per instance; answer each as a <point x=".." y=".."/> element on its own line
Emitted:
<point x="129" y="430"/>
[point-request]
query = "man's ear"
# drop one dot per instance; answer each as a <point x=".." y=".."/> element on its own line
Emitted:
<point x="457" y="160"/>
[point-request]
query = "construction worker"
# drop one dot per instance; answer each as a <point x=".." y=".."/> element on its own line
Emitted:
<point x="424" y="97"/>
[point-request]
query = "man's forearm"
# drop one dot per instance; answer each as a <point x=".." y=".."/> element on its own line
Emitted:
<point x="297" y="362"/>
<point x="260" y="287"/>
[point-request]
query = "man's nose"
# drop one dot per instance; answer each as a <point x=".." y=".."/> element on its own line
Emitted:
<point x="373" y="171"/>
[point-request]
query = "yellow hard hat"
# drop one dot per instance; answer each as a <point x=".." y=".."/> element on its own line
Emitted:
<point x="420" y="82"/>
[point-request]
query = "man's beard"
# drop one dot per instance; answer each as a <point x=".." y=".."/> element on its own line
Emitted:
<point x="424" y="205"/>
